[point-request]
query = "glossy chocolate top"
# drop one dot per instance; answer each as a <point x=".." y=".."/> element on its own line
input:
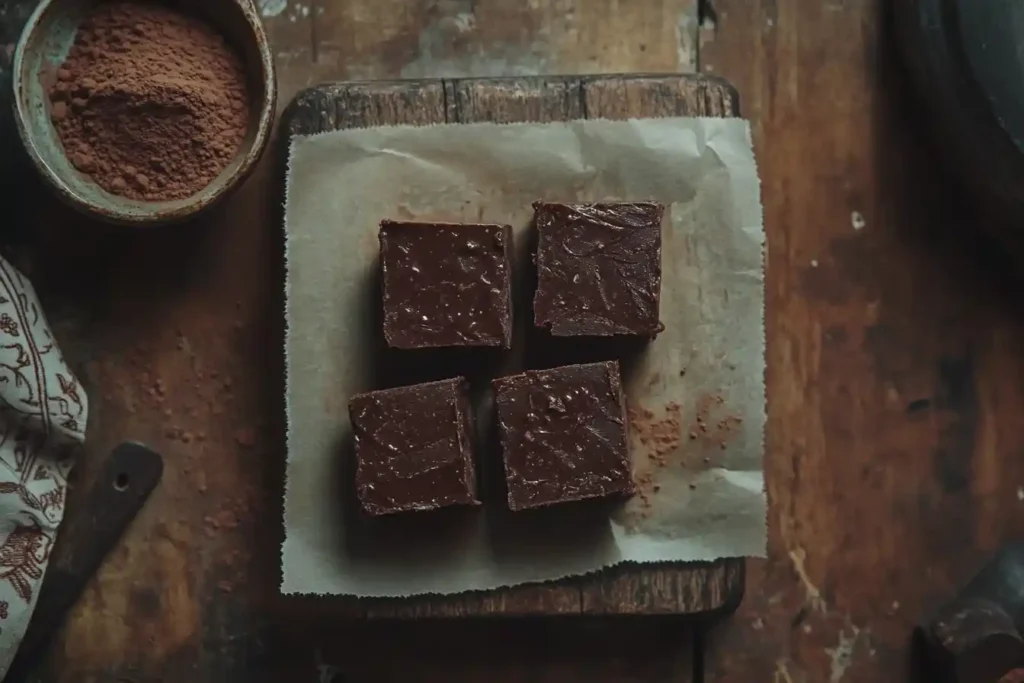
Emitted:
<point x="446" y="284"/>
<point x="413" y="447"/>
<point x="598" y="268"/>
<point x="563" y="433"/>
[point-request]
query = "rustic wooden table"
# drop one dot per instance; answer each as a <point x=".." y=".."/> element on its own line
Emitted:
<point x="895" y="370"/>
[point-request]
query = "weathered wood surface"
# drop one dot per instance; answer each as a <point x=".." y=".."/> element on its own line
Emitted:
<point x="895" y="368"/>
<point x="895" y="354"/>
<point x="361" y="40"/>
<point x="177" y="335"/>
<point x="672" y="589"/>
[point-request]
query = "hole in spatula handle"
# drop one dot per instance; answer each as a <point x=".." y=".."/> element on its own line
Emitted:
<point x="121" y="481"/>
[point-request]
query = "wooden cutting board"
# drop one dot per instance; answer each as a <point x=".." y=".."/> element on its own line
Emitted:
<point x="676" y="588"/>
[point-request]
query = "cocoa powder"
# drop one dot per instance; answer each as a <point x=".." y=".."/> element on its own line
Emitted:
<point x="150" y="103"/>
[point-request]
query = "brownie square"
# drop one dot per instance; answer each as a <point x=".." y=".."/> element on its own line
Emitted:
<point x="563" y="434"/>
<point x="414" y="447"/>
<point x="598" y="269"/>
<point x="446" y="284"/>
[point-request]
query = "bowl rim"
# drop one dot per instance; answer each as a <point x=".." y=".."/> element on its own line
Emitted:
<point x="118" y="216"/>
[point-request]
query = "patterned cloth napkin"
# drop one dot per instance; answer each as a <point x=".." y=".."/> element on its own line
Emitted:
<point x="43" y="411"/>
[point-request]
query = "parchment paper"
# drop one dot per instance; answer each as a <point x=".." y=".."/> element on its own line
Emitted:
<point x="696" y="394"/>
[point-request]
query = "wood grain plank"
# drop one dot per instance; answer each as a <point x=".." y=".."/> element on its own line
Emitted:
<point x="529" y="600"/>
<point x="320" y="41"/>
<point x="355" y="105"/>
<point x="508" y="100"/>
<point x="625" y="98"/>
<point x="895" y="353"/>
<point x="664" y="589"/>
<point x="681" y="589"/>
<point x="390" y="39"/>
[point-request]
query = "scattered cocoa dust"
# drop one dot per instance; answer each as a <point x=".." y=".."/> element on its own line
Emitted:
<point x="664" y="436"/>
<point x="660" y="437"/>
<point x="150" y="103"/>
<point x="175" y="395"/>
<point x="723" y="428"/>
<point x="644" y="487"/>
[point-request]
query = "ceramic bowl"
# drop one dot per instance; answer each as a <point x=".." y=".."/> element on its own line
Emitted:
<point x="44" y="45"/>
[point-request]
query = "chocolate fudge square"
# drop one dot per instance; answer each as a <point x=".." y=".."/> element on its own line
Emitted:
<point x="413" y="447"/>
<point x="446" y="284"/>
<point x="598" y="269"/>
<point x="563" y="434"/>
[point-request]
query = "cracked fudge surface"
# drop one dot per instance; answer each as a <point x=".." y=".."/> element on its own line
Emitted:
<point x="446" y="284"/>
<point x="598" y="269"/>
<point x="563" y="434"/>
<point x="413" y="447"/>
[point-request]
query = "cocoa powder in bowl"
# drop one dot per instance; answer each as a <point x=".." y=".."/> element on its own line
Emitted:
<point x="151" y="103"/>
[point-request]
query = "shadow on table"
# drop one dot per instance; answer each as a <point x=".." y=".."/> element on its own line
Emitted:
<point x="550" y="649"/>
